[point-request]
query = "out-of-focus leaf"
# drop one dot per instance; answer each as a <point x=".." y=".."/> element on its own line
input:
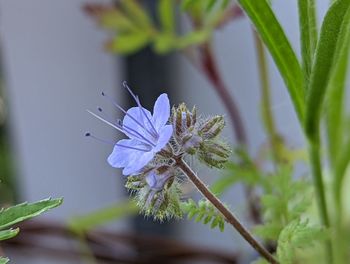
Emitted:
<point x="128" y="43"/>
<point x="297" y="234"/>
<point x="332" y="39"/>
<point x="137" y="13"/>
<point x="4" y="260"/>
<point x="9" y="233"/>
<point x="115" y="20"/>
<point x="193" y="38"/>
<point x="272" y="34"/>
<point x="166" y="15"/>
<point x="87" y="222"/>
<point x="24" y="211"/>
<point x="204" y="212"/>
<point x="164" y="43"/>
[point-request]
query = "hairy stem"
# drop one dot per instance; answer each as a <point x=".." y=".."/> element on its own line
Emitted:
<point x="229" y="216"/>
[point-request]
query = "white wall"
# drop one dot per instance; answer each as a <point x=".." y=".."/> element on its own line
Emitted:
<point x="55" y="69"/>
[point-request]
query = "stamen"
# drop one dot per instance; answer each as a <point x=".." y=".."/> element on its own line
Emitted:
<point x="131" y="131"/>
<point x="107" y="122"/>
<point x="126" y="113"/>
<point x="140" y="106"/>
<point x="88" y="134"/>
<point x="134" y="148"/>
<point x="134" y="131"/>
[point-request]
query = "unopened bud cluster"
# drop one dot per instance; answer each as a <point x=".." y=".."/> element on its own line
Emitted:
<point x="200" y="137"/>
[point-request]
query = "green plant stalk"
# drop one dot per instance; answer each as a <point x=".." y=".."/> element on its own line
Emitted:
<point x="316" y="168"/>
<point x="267" y="114"/>
<point x="229" y="216"/>
<point x="315" y="161"/>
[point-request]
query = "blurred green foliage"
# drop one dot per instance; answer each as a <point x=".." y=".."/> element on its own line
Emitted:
<point x="133" y="28"/>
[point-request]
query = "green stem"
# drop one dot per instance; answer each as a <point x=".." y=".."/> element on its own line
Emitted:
<point x="268" y="118"/>
<point x="315" y="159"/>
<point x="229" y="216"/>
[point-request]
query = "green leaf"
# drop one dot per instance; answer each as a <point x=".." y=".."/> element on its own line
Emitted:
<point x="164" y="43"/>
<point x="332" y="38"/>
<point x="296" y="235"/>
<point x="204" y="212"/>
<point x="137" y="13"/>
<point x="336" y="95"/>
<point x="9" y="233"/>
<point x="308" y="34"/>
<point x="115" y="20"/>
<point x="102" y="216"/>
<point x="166" y="15"/>
<point x="4" y="260"/>
<point x="129" y="43"/>
<point x="24" y="211"/>
<point x="272" y="34"/>
<point x="193" y="38"/>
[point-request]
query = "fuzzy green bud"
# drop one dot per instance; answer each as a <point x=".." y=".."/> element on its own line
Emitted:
<point x="214" y="154"/>
<point x="212" y="127"/>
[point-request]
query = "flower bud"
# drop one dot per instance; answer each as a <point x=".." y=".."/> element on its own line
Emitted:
<point x="183" y="120"/>
<point x="191" y="143"/>
<point x="160" y="196"/>
<point x="212" y="127"/>
<point x="214" y="154"/>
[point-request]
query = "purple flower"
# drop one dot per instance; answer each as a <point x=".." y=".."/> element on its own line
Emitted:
<point x="148" y="134"/>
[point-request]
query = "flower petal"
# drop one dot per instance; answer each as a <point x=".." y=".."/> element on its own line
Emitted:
<point x="137" y="163"/>
<point x="140" y="125"/>
<point x="121" y="156"/>
<point x="161" y="111"/>
<point x="164" y="136"/>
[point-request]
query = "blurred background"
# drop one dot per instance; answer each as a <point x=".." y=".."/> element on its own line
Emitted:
<point x="54" y="67"/>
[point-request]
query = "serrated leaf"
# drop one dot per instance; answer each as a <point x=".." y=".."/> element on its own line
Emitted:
<point x="272" y="34"/>
<point x="199" y="217"/>
<point x="205" y="212"/>
<point x="332" y="38"/>
<point x="129" y="43"/>
<point x="4" y="260"/>
<point x="222" y="225"/>
<point x="24" y="211"/>
<point x="296" y="234"/>
<point x="268" y="231"/>
<point x="207" y="219"/>
<point x="9" y="233"/>
<point x="214" y="223"/>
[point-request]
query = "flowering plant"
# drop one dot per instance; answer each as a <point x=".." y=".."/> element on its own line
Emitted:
<point x="154" y="156"/>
